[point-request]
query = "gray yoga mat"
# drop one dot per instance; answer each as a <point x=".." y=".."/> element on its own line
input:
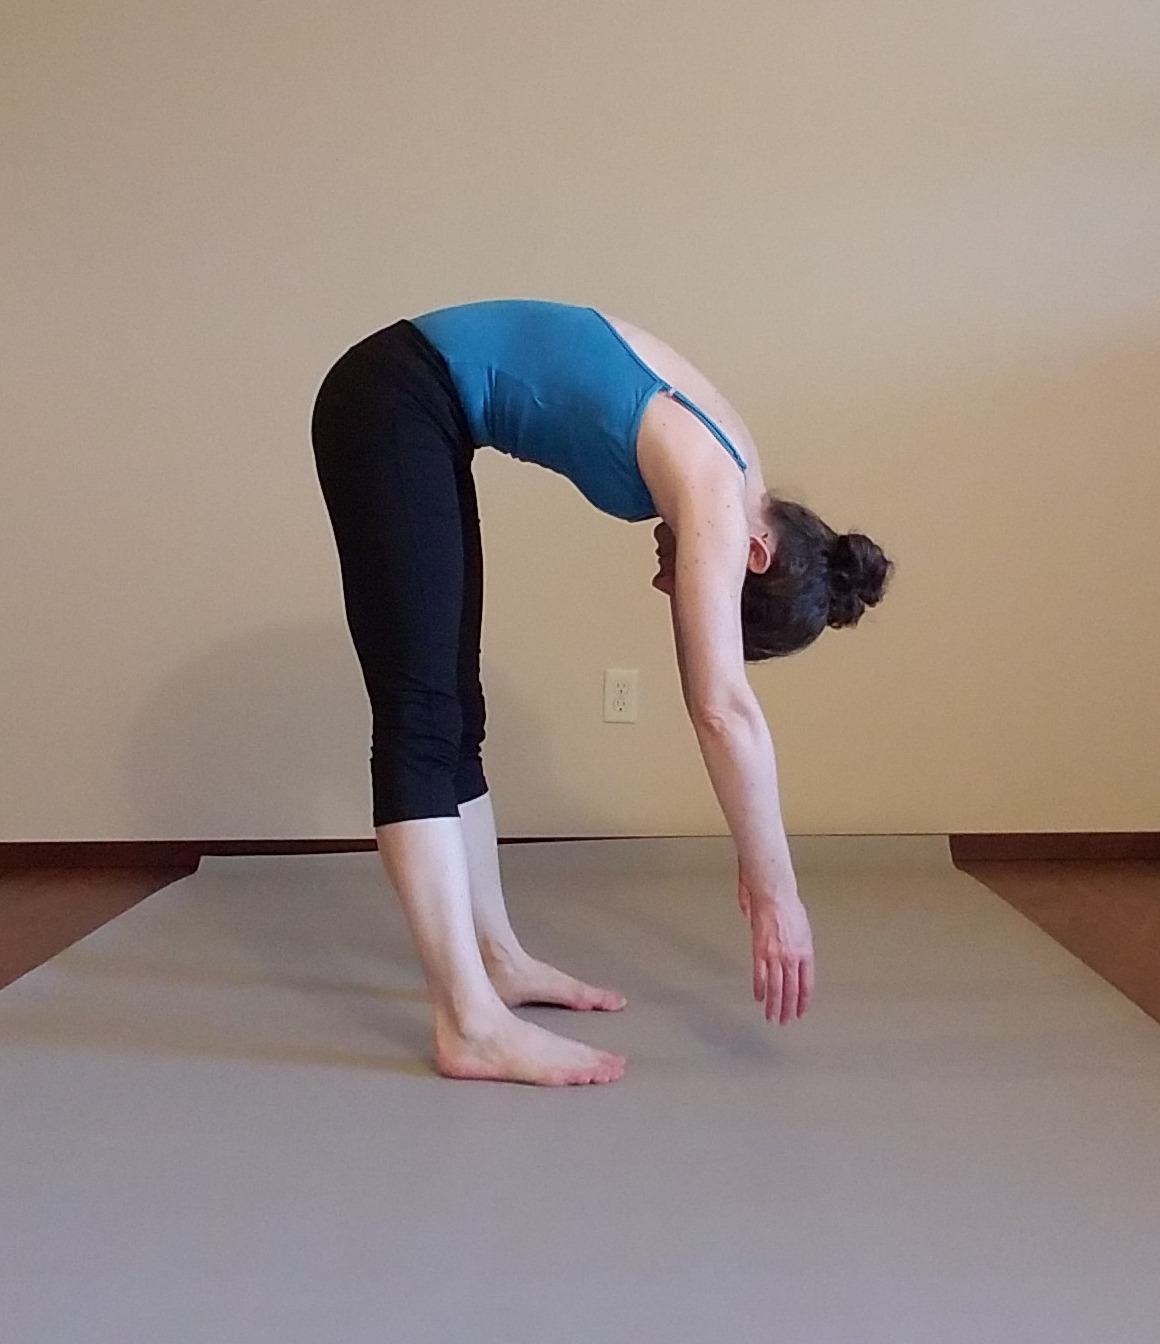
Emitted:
<point x="218" y="1121"/>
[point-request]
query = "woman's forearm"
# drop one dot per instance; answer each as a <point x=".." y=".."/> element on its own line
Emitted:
<point x="738" y="752"/>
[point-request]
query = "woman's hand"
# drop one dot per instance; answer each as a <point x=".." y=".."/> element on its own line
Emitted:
<point x="783" y="951"/>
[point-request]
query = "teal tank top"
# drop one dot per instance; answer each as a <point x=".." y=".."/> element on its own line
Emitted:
<point x="558" y="385"/>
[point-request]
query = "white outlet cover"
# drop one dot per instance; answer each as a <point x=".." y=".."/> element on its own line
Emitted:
<point x="620" y="694"/>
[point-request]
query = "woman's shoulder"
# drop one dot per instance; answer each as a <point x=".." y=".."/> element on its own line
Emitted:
<point x="676" y="453"/>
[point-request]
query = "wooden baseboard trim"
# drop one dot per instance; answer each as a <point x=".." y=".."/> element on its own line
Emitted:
<point x="24" y="854"/>
<point x="1090" y="846"/>
<point x="155" y="853"/>
<point x="1065" y="846"/>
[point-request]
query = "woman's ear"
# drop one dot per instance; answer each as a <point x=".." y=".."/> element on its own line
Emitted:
<point x="761" y="548"/>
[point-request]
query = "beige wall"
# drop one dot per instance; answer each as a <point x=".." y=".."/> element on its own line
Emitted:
<point x="917" y="245"/>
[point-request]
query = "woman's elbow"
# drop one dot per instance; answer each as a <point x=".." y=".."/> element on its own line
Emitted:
<point x="722" y="716"/>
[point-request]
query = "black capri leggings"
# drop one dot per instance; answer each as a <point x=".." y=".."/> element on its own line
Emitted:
<point x="393" y="452"/>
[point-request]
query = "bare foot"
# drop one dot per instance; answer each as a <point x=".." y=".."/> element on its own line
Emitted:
<point x="522" y="980"/>
<point x="512" y="1050"/>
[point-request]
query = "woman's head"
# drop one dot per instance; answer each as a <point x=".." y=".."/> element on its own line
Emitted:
<point x="817" y="578"/>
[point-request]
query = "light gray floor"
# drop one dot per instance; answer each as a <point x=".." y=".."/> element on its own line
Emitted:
<point x="217" y="1122"/>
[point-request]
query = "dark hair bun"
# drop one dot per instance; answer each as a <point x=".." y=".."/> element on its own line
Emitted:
<point x="859" y="573"/>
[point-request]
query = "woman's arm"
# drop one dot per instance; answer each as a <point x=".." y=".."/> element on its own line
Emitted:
<point x="739" y="757"/>
<point x="711" y="555"/>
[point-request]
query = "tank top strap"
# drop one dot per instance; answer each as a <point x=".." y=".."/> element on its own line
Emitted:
<point x="710" y="425"/>
<point x="659" y="385"/>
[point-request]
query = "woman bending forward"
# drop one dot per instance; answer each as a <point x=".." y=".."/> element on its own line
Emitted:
<point x="749" y="576"/>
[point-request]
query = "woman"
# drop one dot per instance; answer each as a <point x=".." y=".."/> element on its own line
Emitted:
<point x="643" y="435"/>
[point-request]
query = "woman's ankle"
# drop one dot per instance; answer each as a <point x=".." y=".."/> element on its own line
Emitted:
<point x="501" y="951"/>
<point x="469" y="1016"/>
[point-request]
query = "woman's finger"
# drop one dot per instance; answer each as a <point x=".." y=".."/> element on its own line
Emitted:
<point x="758" y="976"/>
<point x="789" y="994"/>
<point x="773" y="991"/>
<point x="806" y="985"/>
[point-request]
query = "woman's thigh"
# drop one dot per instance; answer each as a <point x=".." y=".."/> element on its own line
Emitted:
<point x="391" y="461"/>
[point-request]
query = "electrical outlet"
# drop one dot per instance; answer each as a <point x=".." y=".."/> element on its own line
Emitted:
<point x="620" y="685"/>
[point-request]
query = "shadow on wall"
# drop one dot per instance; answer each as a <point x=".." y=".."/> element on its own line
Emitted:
<point x="524" y="761"/>
<point x="267" y="736"/>
<point x="260" y="737"/>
